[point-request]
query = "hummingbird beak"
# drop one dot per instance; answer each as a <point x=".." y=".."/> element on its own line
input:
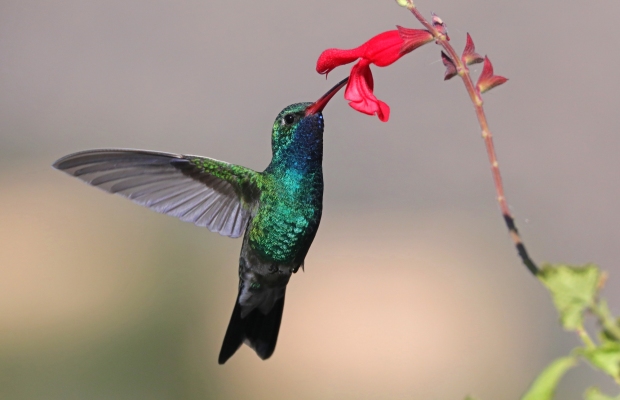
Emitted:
<point x="320" y="104"/>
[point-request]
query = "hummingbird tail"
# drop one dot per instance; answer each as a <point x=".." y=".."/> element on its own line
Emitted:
<point x="257" y="330"/>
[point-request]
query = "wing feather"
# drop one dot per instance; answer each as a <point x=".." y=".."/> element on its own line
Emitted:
<point x="204" y="191"/>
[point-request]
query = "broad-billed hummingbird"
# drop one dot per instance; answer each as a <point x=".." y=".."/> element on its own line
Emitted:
<point x="279" y="209"/>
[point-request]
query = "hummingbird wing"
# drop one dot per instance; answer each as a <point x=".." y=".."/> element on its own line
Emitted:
<point x="207" y="192"/>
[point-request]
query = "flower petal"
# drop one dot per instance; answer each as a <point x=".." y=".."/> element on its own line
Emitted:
<point x="384" y="49"/>
<point x="383" y="112"/>
<point x="381" y="50"/>
<point x="332" y="58"/>
<point x="360" y="95"/>
<point x="359" y="85"/>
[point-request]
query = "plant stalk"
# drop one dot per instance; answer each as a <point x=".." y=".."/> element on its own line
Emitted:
<point x="474" y="94"/>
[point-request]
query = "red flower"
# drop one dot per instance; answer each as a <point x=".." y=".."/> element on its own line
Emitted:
<point x="382" y="50"/>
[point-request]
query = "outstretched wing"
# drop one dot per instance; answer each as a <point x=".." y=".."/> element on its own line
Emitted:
<point x="207" y="192"/>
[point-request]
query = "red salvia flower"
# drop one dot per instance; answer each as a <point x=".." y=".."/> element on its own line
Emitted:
<point x="382" y="50"/>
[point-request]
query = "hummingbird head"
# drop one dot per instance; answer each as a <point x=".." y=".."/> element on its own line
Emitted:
<point x="298" y="129"/>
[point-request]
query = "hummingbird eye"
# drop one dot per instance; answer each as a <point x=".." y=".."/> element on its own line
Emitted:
<point x="289" y="119"/>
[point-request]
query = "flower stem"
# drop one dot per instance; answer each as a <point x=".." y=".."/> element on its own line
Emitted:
<point x="607" y="321"/>
<point x="585" y="338"/>
<point x="442" y="40"/>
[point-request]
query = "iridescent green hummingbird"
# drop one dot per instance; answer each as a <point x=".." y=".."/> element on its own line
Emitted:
<point x="279" y="209"/>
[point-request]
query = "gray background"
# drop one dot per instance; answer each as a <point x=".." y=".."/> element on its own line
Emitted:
<point x="412" y="288"/>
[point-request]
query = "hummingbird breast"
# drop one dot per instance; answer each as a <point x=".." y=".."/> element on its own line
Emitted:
<point x="288" y="216"/>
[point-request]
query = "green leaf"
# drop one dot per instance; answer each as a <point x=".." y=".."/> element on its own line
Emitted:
<point x="611" y="326"/>
<point x="606" y="358"/>
<point x="595" y="394"/>
<point x="544" y="385"/>
<point x="573" y="290"/>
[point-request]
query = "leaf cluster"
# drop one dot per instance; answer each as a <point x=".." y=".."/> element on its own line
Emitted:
<point x="575" y="293"/>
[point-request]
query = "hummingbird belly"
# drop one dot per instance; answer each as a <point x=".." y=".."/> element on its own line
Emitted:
<point x="281" y="233"/>
<point x="278" y="236"/>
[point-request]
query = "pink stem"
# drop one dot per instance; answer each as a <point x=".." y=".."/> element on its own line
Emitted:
<point x="476" y="99"/>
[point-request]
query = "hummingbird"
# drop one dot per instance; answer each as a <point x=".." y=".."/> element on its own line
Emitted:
<point x="277" y="211"/>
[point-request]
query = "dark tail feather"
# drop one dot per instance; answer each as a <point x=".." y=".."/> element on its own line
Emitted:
<point x="258" y="330"/>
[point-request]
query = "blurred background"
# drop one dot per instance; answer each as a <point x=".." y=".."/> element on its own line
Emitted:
<point x="412" y="288"/>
